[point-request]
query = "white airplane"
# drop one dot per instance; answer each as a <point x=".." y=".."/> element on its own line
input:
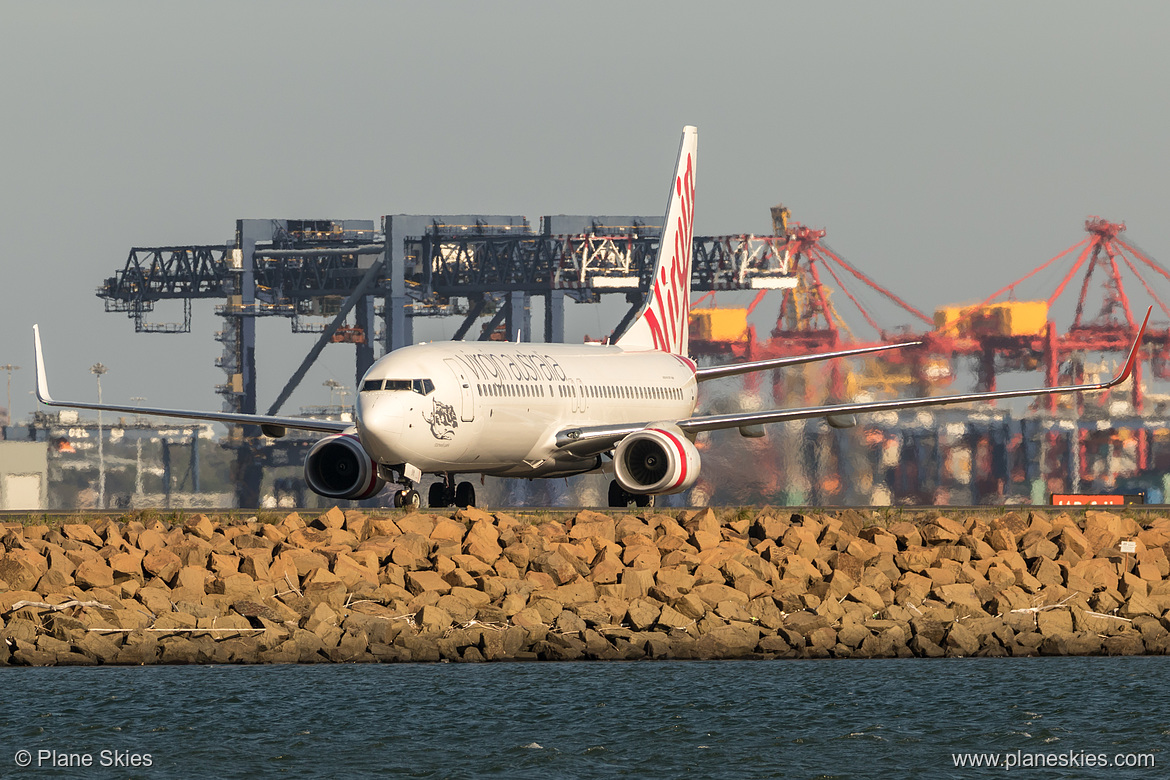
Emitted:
<point x="550" y="410"/>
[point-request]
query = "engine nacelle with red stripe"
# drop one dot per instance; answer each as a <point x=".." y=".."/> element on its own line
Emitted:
<point x="658" y="459"/>
<point x="339" y="467"/>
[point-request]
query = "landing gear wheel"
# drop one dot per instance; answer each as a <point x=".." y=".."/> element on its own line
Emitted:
<point x="407" y="499"/>
<point x="437" y="496"/>
<point x="464" y="495"/>
<point x="618" y="495"/>
<point x="644" y="500"/>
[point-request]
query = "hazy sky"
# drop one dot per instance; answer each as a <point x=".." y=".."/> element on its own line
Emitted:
<point x="946" y="147"/>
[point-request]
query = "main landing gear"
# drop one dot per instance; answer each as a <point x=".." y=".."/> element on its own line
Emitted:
<point x="619" y="496"/>
<point x="447" y="493"/>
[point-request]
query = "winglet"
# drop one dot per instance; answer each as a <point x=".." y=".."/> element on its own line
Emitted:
<point x="1133" y="353"/>
<point x="42" y="382"/>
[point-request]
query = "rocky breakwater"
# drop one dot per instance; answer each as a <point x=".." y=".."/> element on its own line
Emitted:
<point x="349" y="587"/>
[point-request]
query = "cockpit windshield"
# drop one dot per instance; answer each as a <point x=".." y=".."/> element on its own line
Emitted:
<point x="420" y="386"/>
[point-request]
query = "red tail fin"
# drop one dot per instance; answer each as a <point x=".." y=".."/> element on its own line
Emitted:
<point x="663" y="321"/>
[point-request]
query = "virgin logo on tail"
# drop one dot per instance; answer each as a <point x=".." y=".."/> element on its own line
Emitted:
<point x="663" y="322"/>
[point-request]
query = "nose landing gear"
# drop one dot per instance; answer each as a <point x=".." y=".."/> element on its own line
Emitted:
<point x="407" y="498"/>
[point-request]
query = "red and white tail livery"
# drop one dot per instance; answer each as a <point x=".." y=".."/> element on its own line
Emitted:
<point x="663" y="321"/>
<point x="549" y="410"/>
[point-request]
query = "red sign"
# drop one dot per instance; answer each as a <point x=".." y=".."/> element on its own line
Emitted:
<point x="1101" y="499"/>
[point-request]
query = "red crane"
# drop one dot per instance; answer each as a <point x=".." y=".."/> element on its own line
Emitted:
<point x="808" y="321"/>
<point x="1112" y="329"/>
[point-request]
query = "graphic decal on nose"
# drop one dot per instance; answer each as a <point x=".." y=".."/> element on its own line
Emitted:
<point x="443" y="420"/>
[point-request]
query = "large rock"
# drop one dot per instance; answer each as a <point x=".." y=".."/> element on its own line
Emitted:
<point x="732" y="641"/>
<point x="1129" y="643"/>
<point x="593" y="524"/>
<point x="426" y="580"/>
<point x="560" y="568"/>
<point x="868" y="597"/>
<point x="960" y="640"/>
<point x="1054" y="622"/>
<point x="1073" y="544"/>
<point x="19" y="572"/>
<point x="162" y="563"/>
<point x="941" y="530"/>
<point x="80" y="532"/>
<point x="643" y="614"/>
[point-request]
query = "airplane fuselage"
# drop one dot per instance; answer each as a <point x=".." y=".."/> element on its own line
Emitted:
<point x="496" y="407"/>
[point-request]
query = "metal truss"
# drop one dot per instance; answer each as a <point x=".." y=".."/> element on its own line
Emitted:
<point x="468" y="265"/>
<point x="443" y="267"/>
<point x="166" y="273"/>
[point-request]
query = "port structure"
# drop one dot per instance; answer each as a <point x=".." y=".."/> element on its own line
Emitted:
<point x="370" y="284"/>
<point x="1003" y="332"/>
<point x="815" y="287"/>
<point x="346" y="282"/>
<point x="1063" y="443"/>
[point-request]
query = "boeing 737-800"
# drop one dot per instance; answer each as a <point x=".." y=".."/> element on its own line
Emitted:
<point x="549" y="410"/>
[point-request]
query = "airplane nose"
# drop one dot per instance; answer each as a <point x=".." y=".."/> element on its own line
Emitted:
<point x="379" y="426"/>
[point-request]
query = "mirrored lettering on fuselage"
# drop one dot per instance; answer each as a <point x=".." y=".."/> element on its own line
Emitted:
<point x="520" y="367"/>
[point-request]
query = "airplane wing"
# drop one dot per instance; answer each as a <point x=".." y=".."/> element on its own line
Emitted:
<point x="272" y="426"/>
<point x="595" y="439"/>
<point x="733" y="369"/>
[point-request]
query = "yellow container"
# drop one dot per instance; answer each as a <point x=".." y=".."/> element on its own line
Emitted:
<point x="946" y="318"/>
<point x="719" y="324"/>
<point x="1024" y="318"/>
<point x="1011" y="318"/>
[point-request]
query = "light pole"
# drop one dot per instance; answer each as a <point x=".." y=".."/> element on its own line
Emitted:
<point x="8" y="409"/>
<point x="97" y="369"/>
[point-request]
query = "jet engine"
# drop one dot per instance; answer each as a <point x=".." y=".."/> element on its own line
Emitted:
<point x="339" y="467"/>
<point x="658" y="459"/>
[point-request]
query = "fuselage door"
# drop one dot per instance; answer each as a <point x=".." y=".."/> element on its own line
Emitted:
<point x="581" y="405"/>
<point x="467" y="407"/>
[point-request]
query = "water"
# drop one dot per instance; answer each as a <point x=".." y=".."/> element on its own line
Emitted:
<point x="733" y="719"/>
